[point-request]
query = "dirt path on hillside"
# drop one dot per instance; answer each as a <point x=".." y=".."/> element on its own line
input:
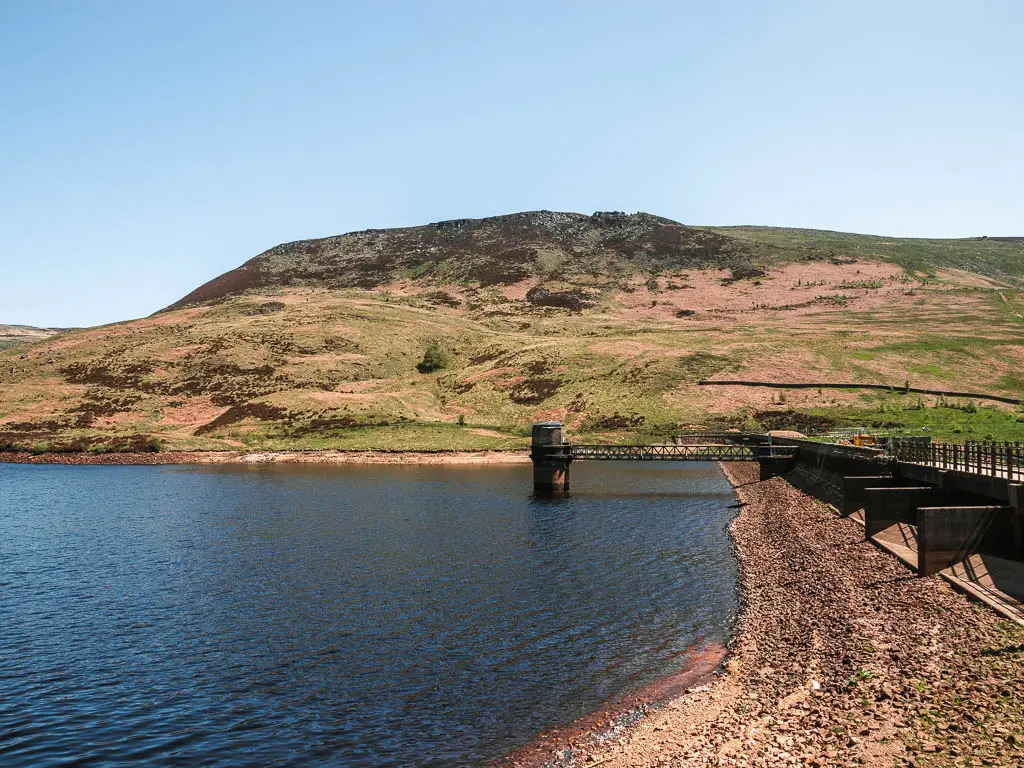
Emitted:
<point x="841" y="658"/>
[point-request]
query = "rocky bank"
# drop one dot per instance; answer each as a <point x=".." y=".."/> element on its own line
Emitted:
<point x="841" y="657"/>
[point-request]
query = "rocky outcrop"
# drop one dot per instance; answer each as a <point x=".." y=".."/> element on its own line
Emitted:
<point x="491" y="251"/>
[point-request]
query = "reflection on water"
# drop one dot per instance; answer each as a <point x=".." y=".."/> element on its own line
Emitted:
<point x="344" y="616"/>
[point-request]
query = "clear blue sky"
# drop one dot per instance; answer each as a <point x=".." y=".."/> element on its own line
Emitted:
<point x="149" y="146"/>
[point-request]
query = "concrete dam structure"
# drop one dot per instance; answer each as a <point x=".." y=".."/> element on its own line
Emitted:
<point x="935" y="506"/>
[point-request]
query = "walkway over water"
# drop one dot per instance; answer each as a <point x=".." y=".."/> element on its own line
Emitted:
<point x="552" y="454"/>
<point x="672" y="452"/>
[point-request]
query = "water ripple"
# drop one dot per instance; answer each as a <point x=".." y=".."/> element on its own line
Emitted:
<point x="342" y="616"/>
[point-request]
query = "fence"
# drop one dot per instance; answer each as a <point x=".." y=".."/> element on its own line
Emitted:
<point x="982" y="458"/>
<point x="678" y="452"/>
<point x="847" y="385"/>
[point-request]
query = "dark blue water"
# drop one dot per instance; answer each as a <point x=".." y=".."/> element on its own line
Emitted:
<point x="341" y="616"/>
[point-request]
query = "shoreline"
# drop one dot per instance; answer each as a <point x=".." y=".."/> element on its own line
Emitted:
<point x="570" y="745"/>
<point x="839" y="656"/>
<point x="498" y="456"/>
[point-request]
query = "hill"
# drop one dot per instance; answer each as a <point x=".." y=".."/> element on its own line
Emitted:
<point x="606" y="321"/>
<point x="999" y="258"/>
<point x="500" y="250"/>
<point x="14" y="335"/>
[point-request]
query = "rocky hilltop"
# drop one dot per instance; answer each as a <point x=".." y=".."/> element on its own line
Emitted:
<point x="499" y="250"/>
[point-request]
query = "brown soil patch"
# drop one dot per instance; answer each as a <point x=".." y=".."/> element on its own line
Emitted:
<point x="192" y="413"/>
<point x="327" y="359"/>
<point x="517" y="291"/>
<point x="795" y="289"/>
<point x="334" y="399"/>
<point x="179" y="353"/>
<point x="352" y="387"/>
<point x="962" y="277"/>
<point x="122" y="419"/>
<point x="730" y="399"/>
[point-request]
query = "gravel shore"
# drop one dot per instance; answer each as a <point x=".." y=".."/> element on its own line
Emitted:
<point x="841" y="657"/>
<point x="272" y="457"/>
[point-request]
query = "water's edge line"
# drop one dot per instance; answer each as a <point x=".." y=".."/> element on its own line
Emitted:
<point x="495" y="456"/>
<point x="565" y="746"/>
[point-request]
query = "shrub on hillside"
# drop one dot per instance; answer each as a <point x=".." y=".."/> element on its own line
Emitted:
<point x="435" y="358"/>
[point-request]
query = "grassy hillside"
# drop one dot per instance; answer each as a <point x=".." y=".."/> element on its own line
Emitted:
<point x="1001" y="259"/>
<point x="12" y="336"/>
<point x="613" y="344"/>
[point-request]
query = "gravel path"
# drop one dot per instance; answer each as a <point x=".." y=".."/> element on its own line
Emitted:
<point x="842" y="657"/>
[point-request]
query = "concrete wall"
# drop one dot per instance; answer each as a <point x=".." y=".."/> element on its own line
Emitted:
<point x="978" y="486"/>
<point x="842" y="475"/>
<point x="885" y="507"/>
<point x="854" y="490"/>
<point x="839" y="459"/>
<point x="947" y="535"/>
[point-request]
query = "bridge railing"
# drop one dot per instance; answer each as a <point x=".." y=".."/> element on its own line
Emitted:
<point x="982" y="458"/>
<point x="691" y="438"/>
<point x="673" y="452"/>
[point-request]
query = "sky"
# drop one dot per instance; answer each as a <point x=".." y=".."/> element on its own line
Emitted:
<point x="146" y="147"/>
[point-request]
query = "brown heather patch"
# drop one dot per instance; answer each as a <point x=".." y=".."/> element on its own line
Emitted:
<point x="557" y="414"/>
<point x="121" y="419"/>
<point x="517" y="291"/>
<point x="793" y="365"/>
<point x="962" y="277"/>
<point x="509" y="382"/>
<point x="628" y="348"/>
<point x="194" y="412"/>
<point x="776" y="292"/>
<point x="334" y="399"/>
<point x="351" y="387"/>
<point x="728" y="400"/>
<point x="238" y="413"/>
<point x="174" y="354"/>
<point x="326" y="359"/>
<point x="163" y="319"/>
<point x="534" y="390"/>
<point x="493" y="373"/>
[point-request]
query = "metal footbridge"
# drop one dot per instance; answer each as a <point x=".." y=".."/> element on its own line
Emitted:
<point x="673" y="452"/>
<point x="552" y="454"/>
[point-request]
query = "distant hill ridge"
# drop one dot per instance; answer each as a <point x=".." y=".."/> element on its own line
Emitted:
<point x="571" y="247"/>
<point x="13" y="335"/>
<point x="489" y="251"/>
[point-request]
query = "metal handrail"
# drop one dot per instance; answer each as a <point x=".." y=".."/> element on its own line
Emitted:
<point x="979" y="458"/>
<point x="672" y="452"/>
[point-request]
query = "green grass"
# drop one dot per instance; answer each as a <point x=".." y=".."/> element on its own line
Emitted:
<point x="942" y="423"/>
<point x="403" y="437"/>
<point x="338" y="369"/>
<point x="918" y="256"/>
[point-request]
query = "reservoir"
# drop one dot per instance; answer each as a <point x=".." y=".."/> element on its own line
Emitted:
<point x="342" y="615"/>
